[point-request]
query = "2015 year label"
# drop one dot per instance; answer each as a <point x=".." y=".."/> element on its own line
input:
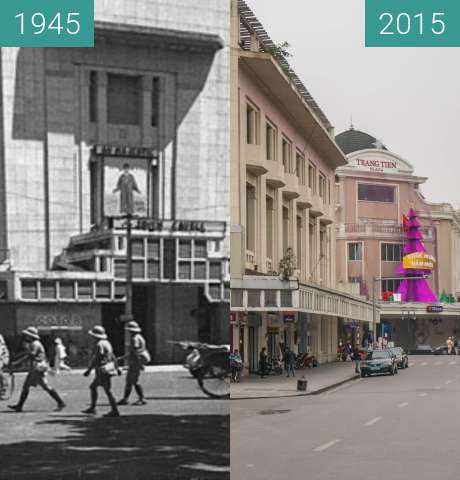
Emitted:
<point x="412" y="23"/>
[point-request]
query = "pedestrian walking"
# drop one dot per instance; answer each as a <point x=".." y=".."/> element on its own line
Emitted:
<point x="263" y="362"/>
<point x="450" y="345"/>
<point x="357" y="359"/>
<point x="60" y="354"/>
<point x="289" y="359"/>
<point x="4" y="363"/>
<point x="236" y="365"/>
<point x="38" y="368"/>
<point x="105" y="365"/>
<point x="455" y="346"/>
<point x="137" y="357"/>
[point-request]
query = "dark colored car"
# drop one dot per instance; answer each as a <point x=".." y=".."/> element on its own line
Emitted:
<point x="422" y="350"/>
<point x="402" y="360"/>
<point x="379" y="361"/>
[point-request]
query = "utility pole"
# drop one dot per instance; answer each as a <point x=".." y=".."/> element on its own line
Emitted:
<point x="128" y="316"/>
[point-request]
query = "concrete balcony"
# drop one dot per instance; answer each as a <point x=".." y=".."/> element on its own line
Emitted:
<point x="255" y="162"/>
<point x="291" y="189"/>
<point x="304" y="200"/>
<point x="250" y="260"/>
<point x="379" y="230"/>
<point x="317" y="207"/>
<point x="275" y="174"/>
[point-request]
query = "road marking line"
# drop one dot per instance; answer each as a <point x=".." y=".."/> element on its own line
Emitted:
<point x="327" y="445"/>
<point x="402" y="405"/>
<point x="423" y="394"/>
<point x="448" y="381"/>
<point x="438" y="363"/>
<point x="437" y="388"/>
<point x="452" y="363"/>
<point x="373" y="421"/>
<point x="423" y="364"/>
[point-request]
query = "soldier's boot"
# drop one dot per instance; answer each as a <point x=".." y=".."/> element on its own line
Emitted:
<point x="140" y="394"/>
<point x="114" y="412"/>
<point x="55" y="396"/>
<point x="22" y="399"/>
<point x="124" y="400"/>
<point x="92" y="409"/>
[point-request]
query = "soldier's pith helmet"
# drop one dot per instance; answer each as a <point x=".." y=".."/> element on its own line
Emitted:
<point x="31" y="332"/>
<point x="98" y="332"/>
<point x="133" y="327"/>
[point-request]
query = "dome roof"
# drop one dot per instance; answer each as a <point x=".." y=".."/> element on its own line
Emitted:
<point x="354" y="140"/>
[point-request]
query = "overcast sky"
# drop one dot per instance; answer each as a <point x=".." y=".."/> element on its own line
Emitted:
<point x="406" y="97"/>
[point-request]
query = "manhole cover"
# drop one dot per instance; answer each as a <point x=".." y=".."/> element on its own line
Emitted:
<point x="273" y="412"/>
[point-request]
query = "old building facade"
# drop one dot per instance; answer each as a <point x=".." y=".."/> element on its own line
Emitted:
<point x="153" y="95"/>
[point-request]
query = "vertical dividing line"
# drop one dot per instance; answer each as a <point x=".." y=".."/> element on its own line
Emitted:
<point x="46" y="165"/>
<point x="174" y="155"/>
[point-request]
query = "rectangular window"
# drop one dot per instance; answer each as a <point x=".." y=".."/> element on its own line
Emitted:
<point x="252" y="125"/>
<point x="391" y="252"/>
<point x="123" y="99"/>
<point x="390" y="285"/>
<point x="300" y="168"/>
<point x="269" y="226"/>
<point x="312" y="177"/>
<point x="355" y="251"/>
<point x="287" y="147"/>
<point x="155" y="101"/>
<point x="285" y="229"/>
<point x="376" y="193"/>
<point x="250" y="218"/>
<point x="93" y="96"/>
<point x="329" y="192"/>
<point x="270" y="138"/>
<point x="322" y="186"/>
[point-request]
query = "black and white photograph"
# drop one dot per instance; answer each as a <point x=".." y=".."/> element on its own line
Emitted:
<point x="114" y="248"/>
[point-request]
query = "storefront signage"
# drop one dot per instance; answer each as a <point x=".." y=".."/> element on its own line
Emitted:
<point x="57" y="322"/>
<point x="273" y="330"/>
<point x="419" y="261"/>
<point x="170" y="226"/>
<point x="434" y="308"/>
<point x="124" y="151"/>
<point x="377" y="165"/>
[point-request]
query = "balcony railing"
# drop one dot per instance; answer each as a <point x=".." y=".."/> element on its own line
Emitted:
<point x="381" y="228"/>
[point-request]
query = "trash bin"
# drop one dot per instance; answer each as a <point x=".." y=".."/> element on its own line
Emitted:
<point x="302" y="384"/>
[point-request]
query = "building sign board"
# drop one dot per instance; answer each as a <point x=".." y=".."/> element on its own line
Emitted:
<point x="419" y="261"/>
<point x="375" y="165"/>
<point x="434" y="308"/>
<point x="57" y="322"/>
<point x="125" y="151"/>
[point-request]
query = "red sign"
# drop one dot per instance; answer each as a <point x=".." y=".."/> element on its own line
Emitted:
<point x="232" y="318"/>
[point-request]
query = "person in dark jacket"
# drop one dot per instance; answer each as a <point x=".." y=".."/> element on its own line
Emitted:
<point x="357" y="359"/>
<point x="137" y="357"/>
<point x="38" y="368"/>
<point x="289" y="360"/>
<point x="105" y="365"/>
<point x="263" y="361"/>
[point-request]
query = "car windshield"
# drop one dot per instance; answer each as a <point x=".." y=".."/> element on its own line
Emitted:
<point x="376" y="355"/>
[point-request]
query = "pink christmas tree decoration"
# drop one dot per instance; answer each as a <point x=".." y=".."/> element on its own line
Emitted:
<point x="417" y="290"/>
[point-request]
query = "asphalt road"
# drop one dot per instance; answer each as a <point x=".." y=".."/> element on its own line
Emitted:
<point x="179" y="434"/>
<point x="404" y="427"/>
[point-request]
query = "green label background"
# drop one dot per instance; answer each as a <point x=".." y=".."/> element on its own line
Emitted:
<point x="10" y="27"/>
<point x="450" y="38"/>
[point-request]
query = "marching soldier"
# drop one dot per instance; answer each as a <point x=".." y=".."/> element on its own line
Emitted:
<point x="105" y="365"/>
<point x="36" y="355"/>
<point x="4" y="362"/>
<point x="137" y="357"/>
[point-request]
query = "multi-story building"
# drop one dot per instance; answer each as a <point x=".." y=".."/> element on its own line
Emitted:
<point x="283" y="159"/>
<point x="375" y="189"/>
<point x="153" y="94"/>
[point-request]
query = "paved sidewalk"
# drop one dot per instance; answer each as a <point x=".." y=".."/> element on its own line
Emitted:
<point x="322" y="378"/>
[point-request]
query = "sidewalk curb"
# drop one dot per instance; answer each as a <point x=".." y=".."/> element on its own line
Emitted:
<point x="305" y="394"/>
